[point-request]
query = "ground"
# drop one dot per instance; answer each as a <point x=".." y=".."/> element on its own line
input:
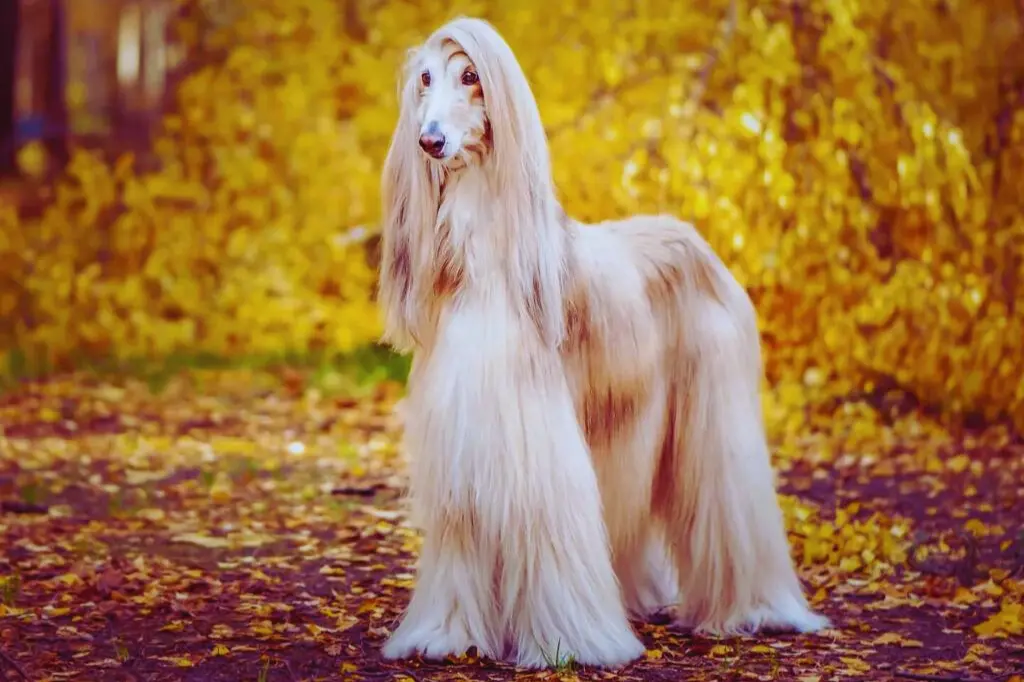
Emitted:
<point x="244" y="525"/>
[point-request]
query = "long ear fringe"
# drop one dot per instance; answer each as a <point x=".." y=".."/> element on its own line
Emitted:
<point x="535" y="238"/>
<point x="406" y="196"/>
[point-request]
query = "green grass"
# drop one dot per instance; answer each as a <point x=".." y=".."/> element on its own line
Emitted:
<point x="264" y="673"/>
<point x="329" y="372"/>
<point x="562" y="662"/>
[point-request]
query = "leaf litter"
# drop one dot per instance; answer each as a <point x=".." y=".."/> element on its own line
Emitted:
<point x="252" y="529"/>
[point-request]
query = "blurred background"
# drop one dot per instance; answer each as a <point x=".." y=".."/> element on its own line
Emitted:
<point x="199" y="178"/>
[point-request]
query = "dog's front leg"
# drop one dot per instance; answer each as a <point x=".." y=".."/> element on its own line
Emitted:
<point x="558" y="579"/>
<point x="452" y="606"/>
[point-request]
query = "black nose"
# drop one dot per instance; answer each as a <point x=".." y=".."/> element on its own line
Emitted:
<point x="432" y="143"/>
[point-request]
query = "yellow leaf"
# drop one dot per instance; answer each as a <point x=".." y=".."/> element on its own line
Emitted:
<point x="152" y="514"/>
<point x="895" y="638"/>
<point x="221" y="631"/>
<point x="174" y="626"/>
<point x="263" y="628"/>
<point x="69" y="579"/>
<point x="1009" y="621"/>
<point x="220" y="650"/>
<point x="178" y="661"/>
<point x="958" y="463"/>
<point x="233" y="446"/>
<point x="201" y="540"/>
<point x="855" y="664"/>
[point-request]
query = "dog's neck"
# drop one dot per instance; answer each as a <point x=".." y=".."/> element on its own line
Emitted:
<point x="466" y="230"/>
<point x="493" y="241"/>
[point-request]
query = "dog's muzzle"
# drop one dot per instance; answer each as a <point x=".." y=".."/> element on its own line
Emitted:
<point x="432" y="140"/>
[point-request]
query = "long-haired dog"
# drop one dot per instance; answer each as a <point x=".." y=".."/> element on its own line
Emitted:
<point x="583" y="417"/>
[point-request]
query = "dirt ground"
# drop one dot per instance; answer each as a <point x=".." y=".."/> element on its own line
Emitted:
<point x="237" y="526"/>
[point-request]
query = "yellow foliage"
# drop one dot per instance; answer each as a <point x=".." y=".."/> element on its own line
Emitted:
<point x="32" y="159"/>
<point x="872" y="545"/>
<point x="857" y="163"/>
<point x="242" y="240"/>
<point x="1009" y="621"/>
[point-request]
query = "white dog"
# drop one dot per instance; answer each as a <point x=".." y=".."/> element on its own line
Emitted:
<point x="583" y="417"/>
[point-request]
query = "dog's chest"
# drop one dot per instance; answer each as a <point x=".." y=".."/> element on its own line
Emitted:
<point x="467" y="227"/>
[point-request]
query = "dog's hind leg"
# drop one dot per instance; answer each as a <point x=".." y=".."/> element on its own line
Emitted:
<point x="626" y="447"/>
<point x="648" y="575"/>
<point x="716" y="491"/>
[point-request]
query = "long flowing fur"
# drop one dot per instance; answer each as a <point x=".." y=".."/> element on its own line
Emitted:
<point x="583" y="420"/>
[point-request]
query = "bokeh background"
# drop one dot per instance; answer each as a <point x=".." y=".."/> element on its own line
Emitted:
<point x="199" y="178"/>
<point x="201" y="464"/>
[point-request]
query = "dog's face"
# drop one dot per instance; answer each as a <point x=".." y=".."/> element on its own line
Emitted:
<point x="450" y="110"/>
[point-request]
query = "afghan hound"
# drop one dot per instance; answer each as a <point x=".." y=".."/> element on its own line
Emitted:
<point x="583" y="417"/>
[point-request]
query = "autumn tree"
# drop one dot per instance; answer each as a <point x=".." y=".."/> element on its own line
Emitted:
<point x="856" y="164"/>
<point x="55" y="100"/>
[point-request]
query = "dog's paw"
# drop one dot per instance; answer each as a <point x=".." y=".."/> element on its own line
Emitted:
<point x="788" y="616"/>
<point x="448" y="644"/>
<point x="652" y="599"/>
<point x="396" y="648"/>
<point x="434" y="643"/>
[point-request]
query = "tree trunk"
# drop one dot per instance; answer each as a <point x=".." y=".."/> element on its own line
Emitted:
<point x="56" y="84"/>
<point x="9" y="23"/>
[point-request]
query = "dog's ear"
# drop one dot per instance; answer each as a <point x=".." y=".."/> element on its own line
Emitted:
<point x="544" y="281"/>
<point x="403" y="216"/>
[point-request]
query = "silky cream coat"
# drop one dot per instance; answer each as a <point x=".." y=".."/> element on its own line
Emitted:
<point x="583" y="421"/>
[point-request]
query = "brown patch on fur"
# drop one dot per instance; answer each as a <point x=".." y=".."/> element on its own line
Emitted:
<point x="400" y="266"/>
<point x="577" y="327"/>
<point x="609" y="404"/>
<point x="447" y="266"/>
<point x="452" y="50"/>
<point x="607" y="411"/>
<point x="477" y="145"/>
<point x="577" y="313"/>
<point x="535" y="306"/>
<point x="664" y="484"/>
<point x="672" y="275"/>
<point x="576" y="306"/>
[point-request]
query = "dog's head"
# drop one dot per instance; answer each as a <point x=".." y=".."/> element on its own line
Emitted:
<point x="465" y="97"/>
<point x="451" y="110"/>
<point x="467" y="109"/>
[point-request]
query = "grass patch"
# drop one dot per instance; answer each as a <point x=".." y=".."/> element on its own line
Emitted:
<point x="331" y="373"/>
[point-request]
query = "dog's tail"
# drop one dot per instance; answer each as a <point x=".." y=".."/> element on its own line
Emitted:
<point x="726" y="528"/>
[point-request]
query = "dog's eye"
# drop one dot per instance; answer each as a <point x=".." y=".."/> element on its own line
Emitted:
<point x="425" y="79"/>
<point x="470" y="78"/>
